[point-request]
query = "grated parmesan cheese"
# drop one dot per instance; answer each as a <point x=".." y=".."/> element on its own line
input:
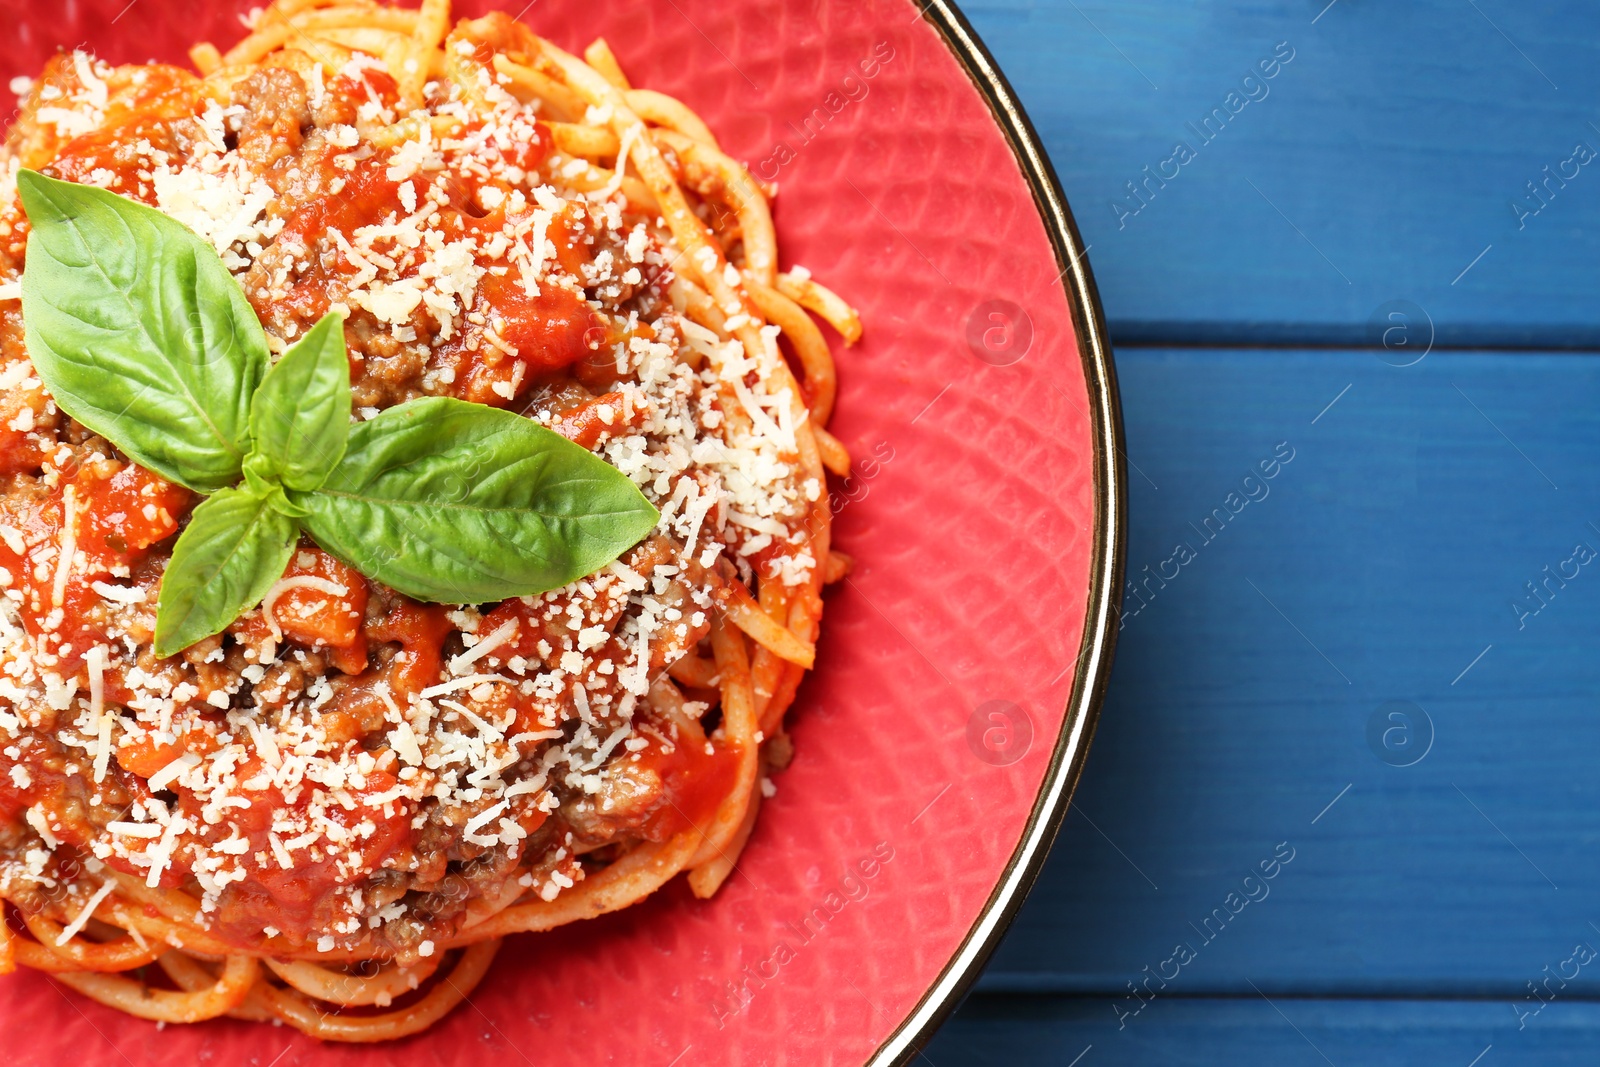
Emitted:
<point x="696" y="423"/>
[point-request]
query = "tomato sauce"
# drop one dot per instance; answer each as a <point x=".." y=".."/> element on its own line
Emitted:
<point x="298" y="900"/>
<point x="695" y="782"/>
<point x="85" y="536"/>
<point x="119" y="513"/>
<point x="145" y="120"/>
<point x="319" y="616"/>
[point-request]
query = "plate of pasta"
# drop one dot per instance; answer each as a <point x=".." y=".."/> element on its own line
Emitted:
<point x="582" y="533"/>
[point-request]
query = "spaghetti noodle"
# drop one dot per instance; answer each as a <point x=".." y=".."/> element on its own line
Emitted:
<point x="329" y="815"/>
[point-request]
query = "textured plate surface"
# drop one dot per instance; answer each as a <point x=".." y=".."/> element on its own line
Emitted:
<point x="947" y="658"/>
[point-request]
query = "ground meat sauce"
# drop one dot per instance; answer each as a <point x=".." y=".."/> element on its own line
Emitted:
<point x="345" y="767"/>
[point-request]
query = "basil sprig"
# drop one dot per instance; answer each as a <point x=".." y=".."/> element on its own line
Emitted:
<point x="140" y="333"/>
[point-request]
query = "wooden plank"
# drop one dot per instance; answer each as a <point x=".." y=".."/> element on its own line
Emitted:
<point x="1073" y="1032"/>
<point x="1380" y="564"/>
<point x="1376" y="165"/>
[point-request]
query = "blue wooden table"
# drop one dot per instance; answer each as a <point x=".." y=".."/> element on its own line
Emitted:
<point x="1343" y="805"/>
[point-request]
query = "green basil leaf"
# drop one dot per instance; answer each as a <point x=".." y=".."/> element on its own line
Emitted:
<point x="263" y="481"/>
<point x="460" y="503"/>
<point x="232" y="552"/>
<point x="139" y="331"/>
<point x="300" y="417"/>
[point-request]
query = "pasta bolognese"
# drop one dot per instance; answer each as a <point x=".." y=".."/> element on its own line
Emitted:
<point x="330" y="813"/>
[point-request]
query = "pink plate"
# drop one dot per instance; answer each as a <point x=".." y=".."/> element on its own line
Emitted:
<point x="961" y="664"/>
